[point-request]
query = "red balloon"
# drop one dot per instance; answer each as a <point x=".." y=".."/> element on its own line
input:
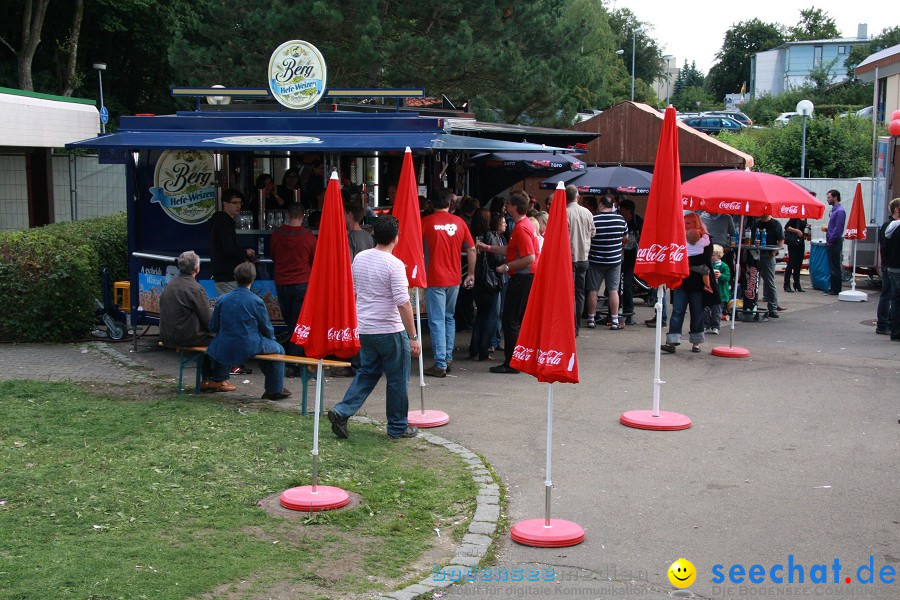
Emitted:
<point x="895" y="115"/>
<point x="894" y="127"/>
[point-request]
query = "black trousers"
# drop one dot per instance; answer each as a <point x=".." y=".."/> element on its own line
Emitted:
<point x="514" y="311"/>
<point x="579" y="273"/>
<point x="834" y="252"/>
<point x="629" y="258"/>
<point x="795" y="261"/>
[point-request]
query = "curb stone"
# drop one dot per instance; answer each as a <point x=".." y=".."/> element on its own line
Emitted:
<point x="477" y="541"/>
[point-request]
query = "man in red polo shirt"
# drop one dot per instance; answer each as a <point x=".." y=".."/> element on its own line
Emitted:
<point x="522" y="254"/>
<point x="445" y="236"/>
<point x="293" y="247"/>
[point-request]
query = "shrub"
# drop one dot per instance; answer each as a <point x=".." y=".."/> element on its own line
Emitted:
<point x="49" y="277"/>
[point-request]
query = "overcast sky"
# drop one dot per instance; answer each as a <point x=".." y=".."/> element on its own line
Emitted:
<point x="694" y="29"/>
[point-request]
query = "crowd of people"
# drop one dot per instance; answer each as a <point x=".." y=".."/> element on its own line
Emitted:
<point x="490" y="253"/>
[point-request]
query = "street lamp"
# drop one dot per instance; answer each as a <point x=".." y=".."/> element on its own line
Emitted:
<point x="805" y="108"/>
<point x="667" y="58"/>
<point x="100" y="67"/>
<point x="634" y="34"/>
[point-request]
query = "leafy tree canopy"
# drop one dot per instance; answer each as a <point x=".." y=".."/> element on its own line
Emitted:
<point x="814" y="24"/>
<point x="732" y="68"/>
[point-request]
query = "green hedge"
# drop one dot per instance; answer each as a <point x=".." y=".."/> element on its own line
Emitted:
<point x="49" y="277"/>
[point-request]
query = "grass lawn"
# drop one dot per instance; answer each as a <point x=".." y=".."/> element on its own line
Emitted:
<point x="105" y="497"/>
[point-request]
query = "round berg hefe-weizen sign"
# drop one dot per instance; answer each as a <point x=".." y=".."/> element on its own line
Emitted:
<point x="297" y="74"/>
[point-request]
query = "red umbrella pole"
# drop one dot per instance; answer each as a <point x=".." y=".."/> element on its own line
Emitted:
<point x="548" y="484"/>
<point x="732" y="351"/>
<point x="315" y="450"/>
<point x="657" y="382"/>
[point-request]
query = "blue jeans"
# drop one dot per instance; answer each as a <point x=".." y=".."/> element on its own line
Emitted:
<point x="441" y="305"/>
<point x="386" y="353"/>
<point x="290" y="300"/>
<point x="884" y="301"/>
<point x="834" y="252"/>
<point x="273" y="371"/>
<point x="680" y="302"/>
<point x="486" y="319"/>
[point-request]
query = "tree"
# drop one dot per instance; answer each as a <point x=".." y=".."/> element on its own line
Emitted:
<point x="885" y="39"/>
<point x="648" y="62"/>
<point x="32" y="24"/>
<point x="814" y="24"/>
<point x="742" y="41"/>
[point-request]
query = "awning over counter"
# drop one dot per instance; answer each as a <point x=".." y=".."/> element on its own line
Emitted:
<point x="325" y="132"/>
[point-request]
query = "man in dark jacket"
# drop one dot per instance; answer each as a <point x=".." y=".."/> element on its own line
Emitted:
<point x="184" y="317"/>
<point x="224" y="252"/>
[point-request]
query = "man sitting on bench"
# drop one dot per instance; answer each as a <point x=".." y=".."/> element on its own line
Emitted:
<point x="184" y="318"/>
<point x="242" y="327"/>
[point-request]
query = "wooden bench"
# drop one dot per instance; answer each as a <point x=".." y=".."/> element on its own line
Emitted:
<point x="194" y="354"/>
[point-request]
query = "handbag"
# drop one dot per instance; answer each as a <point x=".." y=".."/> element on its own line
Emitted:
<point x="792" y="239"/>
<point x="486" y="278"/>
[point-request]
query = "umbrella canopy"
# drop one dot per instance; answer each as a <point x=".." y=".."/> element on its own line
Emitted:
<point x="327" y="323"/>
<point x="749" y="193"/>
<point x="546" y="343"/>
<point x="856" y="224"/>
<point x="409" y="247"/>
<point x="603" y="180"/>
<point x="662" y="251"/>
<point x="533" y="163"/>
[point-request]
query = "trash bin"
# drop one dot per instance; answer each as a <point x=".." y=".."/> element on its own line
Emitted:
<point x="819" y="272"/>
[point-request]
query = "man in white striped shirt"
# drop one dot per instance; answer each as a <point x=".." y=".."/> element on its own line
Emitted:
<point x="387" y="334"/>
<point x="605" y="261"/>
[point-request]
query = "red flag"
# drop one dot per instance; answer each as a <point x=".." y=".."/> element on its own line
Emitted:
<point x="856" y="224"/>
<point x="662" y="251"/>
<point x="409" y="247"/>
<point x="546" y="344"/>
<point x="327" y="323"/>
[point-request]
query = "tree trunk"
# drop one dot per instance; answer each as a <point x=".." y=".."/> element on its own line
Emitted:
<point x="31" y="37"/>
<point x="69" y="76"/>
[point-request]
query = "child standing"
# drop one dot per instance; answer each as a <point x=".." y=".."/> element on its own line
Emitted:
<point x="713" y="314"/>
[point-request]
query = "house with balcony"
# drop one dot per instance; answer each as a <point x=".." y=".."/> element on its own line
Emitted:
<point x="790" y="65"/>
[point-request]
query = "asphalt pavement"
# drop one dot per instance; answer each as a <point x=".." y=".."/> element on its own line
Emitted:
<point x="791" y="460"/>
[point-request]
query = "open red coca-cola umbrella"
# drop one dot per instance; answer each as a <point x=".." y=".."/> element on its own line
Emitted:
<point x="748" y="194"/>
<point x="327" y="325"/>
<point x="856" y="230"/>
<point x="410" y="250"/>
<point x="662" y="260"/>
<point x="546" y="349"/>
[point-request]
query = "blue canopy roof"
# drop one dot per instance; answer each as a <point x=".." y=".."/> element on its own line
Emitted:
<point x="326" y="132"/>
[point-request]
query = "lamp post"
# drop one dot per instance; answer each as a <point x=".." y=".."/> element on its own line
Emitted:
<point x="667" y="58"/>
<point x="805" y="108"/>
<point x="100" y="67"/>
<point x="634" y="34"/>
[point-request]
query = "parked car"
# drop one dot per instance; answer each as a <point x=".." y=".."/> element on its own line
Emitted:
<point x="734" y="114"/>
<point x="863" y="113"/>
<point x="785" y="118"/>
<point x="713" y="124"/>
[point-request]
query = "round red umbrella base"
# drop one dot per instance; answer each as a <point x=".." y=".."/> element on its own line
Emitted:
<point x="325" y="498"/>
<point x="644" y="419"/>
<point x="730" y="352"/>
<point x="559" y="534"/>
<point x="431" y="418"/>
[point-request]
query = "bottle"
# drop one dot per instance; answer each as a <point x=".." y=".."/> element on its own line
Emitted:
<point x="758" y="237"/>
<point x="747" y="236"/>
<point x="260" y="246"/>
<point x="764" y="237"/>
<point x="734" y="238"/>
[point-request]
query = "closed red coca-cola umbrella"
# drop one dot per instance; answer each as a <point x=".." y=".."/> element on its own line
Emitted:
<point x="327" y="325"/>
<point x="546" y="349"/>
<point x="662" y="260"/>
<point x="856" y="230"/>
<point x="410" y="250"/>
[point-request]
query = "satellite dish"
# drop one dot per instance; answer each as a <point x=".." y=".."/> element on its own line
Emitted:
<point x="218" y="100"/>
<point x="805" y="108"/>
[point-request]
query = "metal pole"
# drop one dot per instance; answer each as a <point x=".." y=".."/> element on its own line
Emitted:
<point x="874" y="136"/>
<point x="548" y="483"/>
<point x="633" y="40"/>
<point x="657" y="382"/>
<point x="853" y="272"/>
<point x="421" y="363"/>
<point x="803" y="150"/>
<point x="315" y="450"/>
<point x="100" y="75"/>
<point x="734" y="276"/>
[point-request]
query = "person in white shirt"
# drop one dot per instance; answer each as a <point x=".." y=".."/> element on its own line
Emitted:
<point x="387" y="334"/>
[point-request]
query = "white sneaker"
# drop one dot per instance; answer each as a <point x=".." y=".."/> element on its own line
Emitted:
<point x="713" y="331"/>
